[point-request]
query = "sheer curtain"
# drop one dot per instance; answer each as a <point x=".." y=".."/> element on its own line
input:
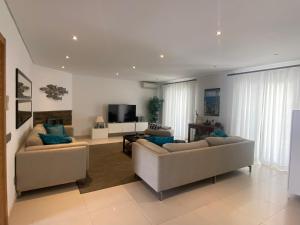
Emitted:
<point x="179" y="107"/>
<point x="262" y="111"/>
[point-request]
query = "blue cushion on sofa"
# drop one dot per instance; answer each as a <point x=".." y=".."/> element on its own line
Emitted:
<point x="49" y="139"/>
<point x="57" y="129"/>
<point x="158" y="140"/>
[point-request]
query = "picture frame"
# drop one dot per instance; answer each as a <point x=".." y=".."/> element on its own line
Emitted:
<point x="23" y="86"/>
<point x="212" y="102"/>
<point x="23" y="112"/>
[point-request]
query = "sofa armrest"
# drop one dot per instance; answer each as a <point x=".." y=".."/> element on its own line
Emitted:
<point x="37" y="169"/>
<point x="146" y="164"/>
<point x="57" y="146"/>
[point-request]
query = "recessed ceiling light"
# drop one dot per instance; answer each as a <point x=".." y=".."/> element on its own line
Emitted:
<point x="74" y="38"/>
<point x="276" y="54"/>
<point x="67" y="57"/>
<point x="117" y="74"/>
<point x="162" y="56"/>
<point x="133" y="67"/>
<point x="63" y="67"/>
<point x="219" y="33"/>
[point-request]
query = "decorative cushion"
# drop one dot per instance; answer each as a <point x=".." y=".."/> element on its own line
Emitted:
<point x="153" y="147"/>
<point x="213" y="141"/>
<point x="158" y="140"/>
<point x="57" y="130"/>
<point x="154" y="126"/>
<point x="49" y="139"/>
<point x="160" y="132"/>
<point x="40" y="129"/>
<point x="218" y="133"/>
<point x="33" y="139"/>
<point x="175" y="147"/>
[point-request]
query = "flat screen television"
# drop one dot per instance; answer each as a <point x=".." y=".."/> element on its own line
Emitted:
<point x="121" y="113"/>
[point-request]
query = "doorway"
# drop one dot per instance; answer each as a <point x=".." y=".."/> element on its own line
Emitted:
<point x="3" y="187"/>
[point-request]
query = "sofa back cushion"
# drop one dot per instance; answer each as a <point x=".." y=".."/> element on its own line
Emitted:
<point x="175" y="147"/>
<point x="153" y="147"/>
<point x="214" y="141"/>
<point x="159" y="132"/>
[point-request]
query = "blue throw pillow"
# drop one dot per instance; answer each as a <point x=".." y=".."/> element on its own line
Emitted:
<point x="158" y="140"/>
<point x="218" y="133"/>
<point x="49" y="139"/>
<point x="57" y="129"/>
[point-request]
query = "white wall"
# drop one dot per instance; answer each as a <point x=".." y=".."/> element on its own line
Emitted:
<point x="91" y="95"/>
<point x="43" y="76"/>
<point x="16" y="57"/>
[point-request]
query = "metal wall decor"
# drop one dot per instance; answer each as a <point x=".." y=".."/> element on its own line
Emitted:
<point x="54" y="92"/>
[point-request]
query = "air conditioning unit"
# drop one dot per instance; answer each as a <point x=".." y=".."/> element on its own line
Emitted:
<point x="150" y="85"/>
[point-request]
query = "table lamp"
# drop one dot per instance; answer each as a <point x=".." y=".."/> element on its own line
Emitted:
<point x="99" y="122"/>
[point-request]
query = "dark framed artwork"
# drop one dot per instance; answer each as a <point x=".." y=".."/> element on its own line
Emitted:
<point x="23" y="112"/>
<point x="212" y="102"/>
<point x="23" y="85"/>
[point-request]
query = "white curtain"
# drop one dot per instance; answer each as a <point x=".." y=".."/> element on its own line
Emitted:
<point x="262" y="111"/>
<point x="179" y="107"/>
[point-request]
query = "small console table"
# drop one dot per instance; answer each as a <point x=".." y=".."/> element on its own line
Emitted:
<point x="200" y="128"/>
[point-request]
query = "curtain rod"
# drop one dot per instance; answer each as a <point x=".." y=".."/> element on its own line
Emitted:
<point x="179" y="82"/>
<point x="262" y="70"/>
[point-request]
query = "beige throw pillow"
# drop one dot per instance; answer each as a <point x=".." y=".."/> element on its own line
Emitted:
<point x="214" y="141"/>
<point x="175" y="147"/>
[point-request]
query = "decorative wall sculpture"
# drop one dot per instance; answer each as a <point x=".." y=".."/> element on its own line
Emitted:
<point x="54" y="92"/>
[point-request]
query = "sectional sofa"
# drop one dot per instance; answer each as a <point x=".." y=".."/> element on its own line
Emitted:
<point x="173" y="165"/>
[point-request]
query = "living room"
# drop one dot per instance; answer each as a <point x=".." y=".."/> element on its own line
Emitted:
<point x="167" y="112"/>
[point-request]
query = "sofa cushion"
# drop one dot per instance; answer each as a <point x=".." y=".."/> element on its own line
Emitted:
<point x="175" y="147"/>
<point x="160" y="132"/>
<point x="33" y="139"/>
<point x="213" y="141"/>
<point x="158" y="140"/>
<point x="57" y="130"/>
<point x="153" y="147"/>
<point x="49" y="139"/>
<point x="40" y="129"/>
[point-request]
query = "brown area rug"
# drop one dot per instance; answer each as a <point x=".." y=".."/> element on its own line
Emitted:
<point x="109" y="167"/>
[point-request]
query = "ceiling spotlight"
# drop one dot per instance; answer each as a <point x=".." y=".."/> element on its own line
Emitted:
<point x="67" y="57"/>
<point x="63" y="67"/>
<point x="117" y="74"/>
<point x="133" y="67"/>
<point x="219" y="33"/>
<point x="74" y="38"/>
<point x="162" y="56"/>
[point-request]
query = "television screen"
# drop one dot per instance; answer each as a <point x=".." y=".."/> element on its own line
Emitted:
<point x="121" y="113"/>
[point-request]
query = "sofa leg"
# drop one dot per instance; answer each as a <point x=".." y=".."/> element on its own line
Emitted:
<point x="161" y="196"/>
<point x="214" y="179"/>
<point x="250" y="169"/>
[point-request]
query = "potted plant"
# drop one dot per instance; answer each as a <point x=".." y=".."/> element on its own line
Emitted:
<point x="154" y="108"/>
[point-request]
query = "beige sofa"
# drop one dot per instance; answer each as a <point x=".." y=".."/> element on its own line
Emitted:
<point x="164" y="169"/>
<point x="39" y="165"/>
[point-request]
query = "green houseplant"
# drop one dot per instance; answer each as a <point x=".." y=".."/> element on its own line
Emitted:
<point x="154" y="108"/>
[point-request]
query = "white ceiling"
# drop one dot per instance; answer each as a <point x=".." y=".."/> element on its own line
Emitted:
<point x="113" y="35"/>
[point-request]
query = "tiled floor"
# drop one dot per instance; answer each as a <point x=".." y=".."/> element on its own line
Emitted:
<point x="236" y="199"/>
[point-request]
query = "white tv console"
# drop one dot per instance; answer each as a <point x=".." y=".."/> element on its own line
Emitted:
<point x="114" y="128"/>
